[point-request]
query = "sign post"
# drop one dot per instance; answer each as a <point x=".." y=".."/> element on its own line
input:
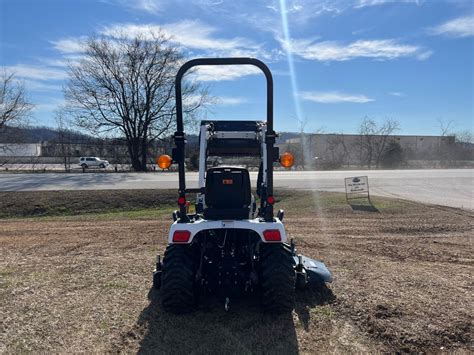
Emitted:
<point x="357" y="187"/>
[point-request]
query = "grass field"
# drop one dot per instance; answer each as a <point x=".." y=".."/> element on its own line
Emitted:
<point x="75" y="273"/>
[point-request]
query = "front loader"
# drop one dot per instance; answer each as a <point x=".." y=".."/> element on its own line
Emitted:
<point x="233" y="243"/>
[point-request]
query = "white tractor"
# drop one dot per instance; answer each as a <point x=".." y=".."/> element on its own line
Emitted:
<point x="231" y="244"/>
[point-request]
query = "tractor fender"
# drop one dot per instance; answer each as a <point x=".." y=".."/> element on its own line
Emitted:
<point x="256" y="225"/>
<point x="316" y="270"/>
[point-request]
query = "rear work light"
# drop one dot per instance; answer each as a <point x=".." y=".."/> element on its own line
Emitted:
<point x="272" y="235"/>
<point x="181" y="236"/>
<point x="164" y="161"/>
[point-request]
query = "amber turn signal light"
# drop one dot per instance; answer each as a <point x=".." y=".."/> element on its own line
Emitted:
<point x="164" y="161"/>
<point x="287" y="160"/>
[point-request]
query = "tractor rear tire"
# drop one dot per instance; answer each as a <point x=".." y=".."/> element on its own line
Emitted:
<point x="277" y="278"/>
<point x="177" y="280"/>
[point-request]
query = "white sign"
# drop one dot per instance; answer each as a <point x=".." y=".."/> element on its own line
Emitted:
<point x="357" y="184"/>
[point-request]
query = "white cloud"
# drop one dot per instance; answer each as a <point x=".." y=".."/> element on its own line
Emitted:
<point x="459" y="27"/>
<point x="145" y="5"/>
<point x="365" y="3"/>
<point x="192" y="35"/>
<point x="291" y="9"/>
<point x="38" y="78"/>
<point x="219" y="100"/>
<point x="63" y="62"/>
<point x="41" y="86"/>
<point x="396" y="93"/>
<point x="300" y="13"/>
<point x="49" y="105"/>
<point x="224" y="72"/>
<point x="386" y="49"/>
<point x="150" y="6"/>
<point x="196" y="37"/>
<point x="33" y="72"/>
<point x="424" y="55"/>
<point x="332" y="97"/>
<point x="230" y="101"/>
<point x="70" y="45"/>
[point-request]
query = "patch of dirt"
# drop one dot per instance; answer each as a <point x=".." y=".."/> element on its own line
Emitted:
<point x="402" y="283"/>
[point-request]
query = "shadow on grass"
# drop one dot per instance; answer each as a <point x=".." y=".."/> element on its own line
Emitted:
<point x="244" y="329"/>
<point x="365" y="206"/>
<point x="309" y="298"/>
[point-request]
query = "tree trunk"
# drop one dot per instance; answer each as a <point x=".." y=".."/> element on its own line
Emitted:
<point x="144" y="151"/>
<point x="134" y="152"/>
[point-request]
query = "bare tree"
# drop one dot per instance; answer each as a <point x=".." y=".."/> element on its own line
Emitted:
<point x="14" y="105"/>
<point x="302" y="151"/>
<point x="374" y="138"/>
<point x="464" y="137"/>
<point x="127" y="85"/>
<point x="446" y="151"/>
<point x="304" y="154"/>
<point x="365" y="141"/>
<point x="337" y="151"/>
<point x="385" y="130"/>
<point x="64" y="138"/>
<point x="445" y="127"/>
<point x="297" y="151"/>
<point x="464" y="146"/>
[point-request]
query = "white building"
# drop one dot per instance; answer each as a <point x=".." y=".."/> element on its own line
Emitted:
<point x="351" y="149"/>
<point x="20" y="150"/>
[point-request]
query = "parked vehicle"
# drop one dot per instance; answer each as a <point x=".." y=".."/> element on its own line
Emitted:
<point x="92" y="162"/>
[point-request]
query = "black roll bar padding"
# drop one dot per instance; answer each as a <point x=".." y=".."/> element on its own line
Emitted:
<point x="269" y="135"/>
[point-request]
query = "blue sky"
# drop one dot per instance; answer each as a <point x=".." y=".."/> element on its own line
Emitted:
<point x="411" y="61"/>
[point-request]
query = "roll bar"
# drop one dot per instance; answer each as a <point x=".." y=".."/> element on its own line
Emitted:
<point x="180" y="137"/>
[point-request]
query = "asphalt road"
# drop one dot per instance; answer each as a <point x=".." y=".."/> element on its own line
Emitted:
<point x="448" y="187"/>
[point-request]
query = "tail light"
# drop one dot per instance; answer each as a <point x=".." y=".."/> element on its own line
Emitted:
<point x="181" y="236"/>
<point x="272" y="235"/>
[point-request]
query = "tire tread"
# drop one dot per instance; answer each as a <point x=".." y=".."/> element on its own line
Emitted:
<point x="278" y="279"/>
<point x="177" y="283"/>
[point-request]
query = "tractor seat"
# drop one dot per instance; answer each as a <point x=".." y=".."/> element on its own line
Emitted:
<point x="228" y="194"/>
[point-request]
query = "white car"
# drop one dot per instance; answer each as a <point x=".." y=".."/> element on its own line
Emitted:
<point x="86" y="162"/>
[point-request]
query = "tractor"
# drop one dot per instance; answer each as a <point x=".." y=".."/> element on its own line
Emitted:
<point x="232" y="243"/>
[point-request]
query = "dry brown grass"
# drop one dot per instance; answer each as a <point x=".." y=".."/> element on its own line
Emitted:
<point x="403" y="282"/>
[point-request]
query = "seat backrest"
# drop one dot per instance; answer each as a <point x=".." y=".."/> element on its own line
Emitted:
<point x="228" y="188"/>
